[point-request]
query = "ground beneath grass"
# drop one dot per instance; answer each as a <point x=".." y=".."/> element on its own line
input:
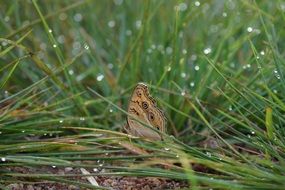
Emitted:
<point x="110" y="182"/>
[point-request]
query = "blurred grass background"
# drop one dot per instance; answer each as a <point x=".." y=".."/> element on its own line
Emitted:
<point x="216" y="69"/>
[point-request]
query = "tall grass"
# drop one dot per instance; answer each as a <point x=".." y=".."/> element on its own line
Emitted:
<point x="215" y="67"/>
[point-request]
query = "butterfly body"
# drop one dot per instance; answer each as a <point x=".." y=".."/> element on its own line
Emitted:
<point x="143" y="111"/>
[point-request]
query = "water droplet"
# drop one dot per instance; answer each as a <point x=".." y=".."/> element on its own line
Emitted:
<point x="252" y="132"/>
<point x="86" y="46"/>
<point x="207" y="51"/>
<point x="70" y="72"/>
<point x="50" y="30"/>
<point x="168" y="50"/>
<point x="118" y="2"/>
<point x="60" y="121"/>
<point x="63" y="16"/>
<point x="111" y="111"/>
<point x="106" y="153"/>
<point x="196" y="67"/>
<point x="111" y="23"/>
<point x="208" y="154"/>
<point x="182" y="7"/>
<point x="168" y="68"/>
<point x="100" y="77"/>
<point x="101" y="165"/>
<point x="230" y="108"/>
<point x="0" y="132"/>
<point x="275" y="71"/>
<point x="249" y="136"/>
<point x="7" y="19"/>
<point x="53" y="166"/>
<point x="167" y="149"/>
<point x="128" y="32"/>
<point x="54" y="45"/>
<point x="197" y="3"/>
<point x="262" y="53"/>
<point x="212" y="178"/>
<point x="275" y="91"/>
<point x="225" y="14"/>
<point x="110" y="65"/>
<point x="3" y="159"/>
<point x="183" y="93"/>
<point x="249" y="29"/>
<point x="138" y="24"/>
<point x="77" y="17"/>
<point x="23" y="131"/>
<point x="183" y="75"/>
<point x="192" y="84"/>
<point x="95" y="169"/>
<point x="248" y="65"/>
<point x="257" y="57"/>
<point x="177" y="156"/>
<point x="278" y="77"/>
<point x="82" y="119"/>
<point x="61" y="39"/>
<point x="184" y="51"/>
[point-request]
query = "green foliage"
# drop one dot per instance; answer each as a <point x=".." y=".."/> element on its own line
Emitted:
<point x="215" y="67"/>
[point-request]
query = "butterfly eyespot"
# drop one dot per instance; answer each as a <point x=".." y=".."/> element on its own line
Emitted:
<point x="151" y="116"/>
<point x="144" y="105"/>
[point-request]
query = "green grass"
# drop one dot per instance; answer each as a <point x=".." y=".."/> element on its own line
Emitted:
<point x="215" y="67"/>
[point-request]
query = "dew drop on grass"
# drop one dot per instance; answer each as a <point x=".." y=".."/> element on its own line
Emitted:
<point x="3" y="159"/>
<point x="111" y="23"/>
<point x="128" y="32"/>
<point x="225" y="14"/>
<point x="70" y="72"/>
<point x="183" y="93"/>
<point x="169" y="50"/>
<point x="192" y="84"/>
<point x="54" y="45"/>
<point x="95" y="169"/>
<point x="118" y="2"/>
<point x="167" y="149"/>
<point x="77" y="17"/>
<point x="60" y="121"/>
<point x="209" y="154"/>
<point x="184" y="51"/>
<point x="86" y="46"/>
<point x="23" y="131"/>
<point x="111" y="110"/>
<point x="50" y="30"/>
<point x="230" y="108"/>
<point x="207" y="51"/>
<point x="101" y="165"/>
<point x="197" y="3"/>
<point x="100" y="77"/>
<point x="252" y="132"/>
<point x="0" y="132"/>
<point x="82" y="119"/>
<point x="53" y="166"/>
<point x="177" y="156"/>
<point x="262" y="53"/>
<point x="183" y="75"/>
<point x="275" y="91"/>
<point x="168" y="68"/>
<point x="182" y="7"/>
<point x="196" y="68"/>
<point x="63" y="16"/>
<point x="249" y="136"/>
<point x="106" y="154"/>
<point x="249" y="29"/>
<point x="248" y="65"/>
<point x="138" y="24"/>
<point x="7" y="19"/>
